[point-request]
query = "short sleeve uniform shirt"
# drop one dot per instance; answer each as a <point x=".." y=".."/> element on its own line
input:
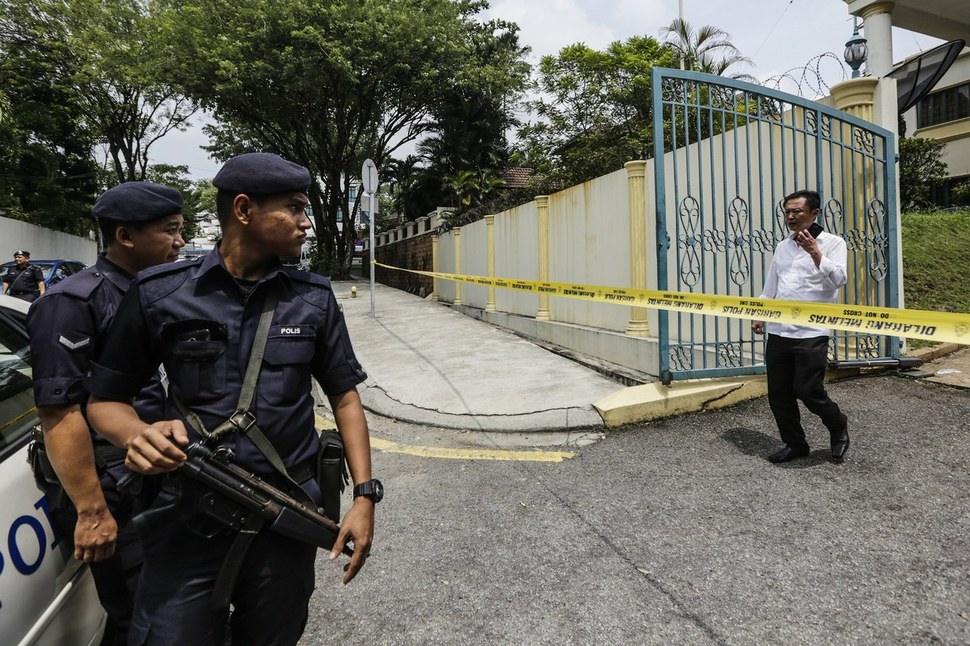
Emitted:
<point x="23" y="281"/>
<point x="67" y="329"/>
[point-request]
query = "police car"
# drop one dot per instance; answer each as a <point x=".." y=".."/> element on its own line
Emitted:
<point x="46" y="596"/>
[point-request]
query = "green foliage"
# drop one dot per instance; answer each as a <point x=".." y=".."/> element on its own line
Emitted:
<point x="960" y="194"/>
<point x="594" y="111"/>
<point x="936" y="262"/>
<point x="48" y="176"/>
<point x="326" y="83"/>
<point x="707" y="49"/>
<point x="920" y="168"/>
<point x="81" y="79"/>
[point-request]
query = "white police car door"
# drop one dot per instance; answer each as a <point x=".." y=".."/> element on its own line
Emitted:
<point x="46" y="597"/>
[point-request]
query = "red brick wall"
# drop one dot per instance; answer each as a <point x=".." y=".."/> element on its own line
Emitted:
<point x="410" y="253"/>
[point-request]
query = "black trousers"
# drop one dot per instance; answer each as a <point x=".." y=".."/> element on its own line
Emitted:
<point x="796" y="371"/>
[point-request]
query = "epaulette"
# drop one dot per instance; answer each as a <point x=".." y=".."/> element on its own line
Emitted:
<point x="301" y="276"/>
<point x="167" y="268"/>
<point x="153" y="282"/>
<point x="80" y="285"/>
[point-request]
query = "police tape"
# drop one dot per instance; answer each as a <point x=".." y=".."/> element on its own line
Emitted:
<point x="917" y="324"/>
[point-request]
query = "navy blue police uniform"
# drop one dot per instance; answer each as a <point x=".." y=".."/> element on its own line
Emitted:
<point x="67" y="330"/>
<point x="22" y="282"/>
<point x="200" y="322"/>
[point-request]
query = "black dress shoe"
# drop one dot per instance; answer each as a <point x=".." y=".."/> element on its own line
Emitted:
<point x="787" y="454"/>
<point x="840" y="443"/>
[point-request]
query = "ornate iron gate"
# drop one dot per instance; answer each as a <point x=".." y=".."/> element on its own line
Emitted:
<point x="725" y="155"/>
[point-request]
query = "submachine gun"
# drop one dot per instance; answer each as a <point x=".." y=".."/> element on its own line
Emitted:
<point x="237" y="499"/>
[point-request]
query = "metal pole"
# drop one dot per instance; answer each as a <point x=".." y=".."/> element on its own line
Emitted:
<point x="373" y="222"/>
<point x="681" y="16"/>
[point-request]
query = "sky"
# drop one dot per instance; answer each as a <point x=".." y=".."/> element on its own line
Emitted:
<point x="779" y="36"/>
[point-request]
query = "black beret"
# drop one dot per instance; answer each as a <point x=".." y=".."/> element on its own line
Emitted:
<point x="138" y="202"/>
<point x="261" y="174"/>
<point x="22" y="253"/>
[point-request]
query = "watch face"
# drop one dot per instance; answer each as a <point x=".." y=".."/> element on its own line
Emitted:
<point x="372" y="489"/>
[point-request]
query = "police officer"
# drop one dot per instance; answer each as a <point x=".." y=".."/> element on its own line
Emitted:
<point x="200" y="319"/>
<point x="141" y="225"/>
<point x="23" y="280"/>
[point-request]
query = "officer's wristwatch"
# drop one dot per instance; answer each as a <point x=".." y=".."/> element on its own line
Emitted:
<point x="372" y="489"/>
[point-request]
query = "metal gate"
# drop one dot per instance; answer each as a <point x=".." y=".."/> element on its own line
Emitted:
<point x="725" y="155"/>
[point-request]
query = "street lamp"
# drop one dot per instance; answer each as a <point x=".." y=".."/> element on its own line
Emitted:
<point x="856" y="51"/>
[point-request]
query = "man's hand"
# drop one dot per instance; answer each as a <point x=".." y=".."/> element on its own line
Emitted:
<point x="94" y="535"/>
<point x="155" y="449"/>
<point x="358" y="527"/>
<point x="805" y="240"/>
<point x="758" y="327"/>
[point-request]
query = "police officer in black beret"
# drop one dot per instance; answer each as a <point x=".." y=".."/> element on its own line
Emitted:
<point x="23" y="280"/>
<point x="141" y="226"/>
<point x="199" y="318"/>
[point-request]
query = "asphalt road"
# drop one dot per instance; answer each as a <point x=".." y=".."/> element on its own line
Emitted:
<point x="674" y="532"/>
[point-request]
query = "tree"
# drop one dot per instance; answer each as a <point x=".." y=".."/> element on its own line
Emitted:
<point x="326" y="83"/>
<point x="81" y="80"/>
<point x="920" y="169"/>
<point x="110" y="67"/>
<point x="48" y="175"/>
<point x="594" y="112"/>
<point x="468" y="149"/>
<point x="708" y="49"/>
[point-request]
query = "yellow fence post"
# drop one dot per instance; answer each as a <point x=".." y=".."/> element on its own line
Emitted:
<point x="434" y="267"/>
<point x="636" y="181"/>
<point x="457" y="232"/>
<point x="490" y="238"/>
<point x="542" y="211"/>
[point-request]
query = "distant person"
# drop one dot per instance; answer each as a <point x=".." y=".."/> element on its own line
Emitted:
<point x="24" y="280"/>
<point x="809" y="265"/>
<point x="141" y="225"/>
<point x="200" y="318"/>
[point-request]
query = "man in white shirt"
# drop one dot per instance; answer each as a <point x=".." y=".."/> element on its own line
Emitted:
<point x="809" y="265"/>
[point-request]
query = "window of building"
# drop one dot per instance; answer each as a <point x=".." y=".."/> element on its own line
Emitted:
<point x="946" y="105"/>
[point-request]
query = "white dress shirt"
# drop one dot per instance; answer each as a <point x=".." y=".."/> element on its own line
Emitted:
<point x="793" y="276"/>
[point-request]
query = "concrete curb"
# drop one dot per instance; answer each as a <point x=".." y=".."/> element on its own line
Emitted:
<point x="655" y="401"/>
<point x="376" y="400"/>
<point x="935" y="352"/>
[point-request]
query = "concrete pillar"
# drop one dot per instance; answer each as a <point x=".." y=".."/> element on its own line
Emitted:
<point x="490" y="238"/>
<point x="542" y="209"/>
<point x="856" y="96"/>
<point x="636" y="182"/>
<point x="434" y="266"/>
<point x="457" y="232"/>
<point x="877" y="20"/>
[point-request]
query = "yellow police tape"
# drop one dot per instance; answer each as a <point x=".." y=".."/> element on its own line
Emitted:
<point x="917" y="324"/>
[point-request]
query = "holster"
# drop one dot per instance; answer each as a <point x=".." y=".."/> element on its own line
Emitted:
<point x="332" y="475"/>
<point x="44" y="474"/>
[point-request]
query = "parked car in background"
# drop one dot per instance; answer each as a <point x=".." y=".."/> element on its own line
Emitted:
<point x="46" y="596"/>
<point x="54" y="270"/>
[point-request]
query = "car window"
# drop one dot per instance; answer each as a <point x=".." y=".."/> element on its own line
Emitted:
<point x="61" y="273"/>
<point x="16" y="381"/>
<point x="46" y="268"/>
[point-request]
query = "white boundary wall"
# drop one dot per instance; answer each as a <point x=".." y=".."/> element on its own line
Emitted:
<point x="45" y="244"/>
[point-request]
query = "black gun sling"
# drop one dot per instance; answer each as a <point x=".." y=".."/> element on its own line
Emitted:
<point x="244" y="421"/>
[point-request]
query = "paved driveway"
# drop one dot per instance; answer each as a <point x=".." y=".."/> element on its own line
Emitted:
<point x="675" y="532"/>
